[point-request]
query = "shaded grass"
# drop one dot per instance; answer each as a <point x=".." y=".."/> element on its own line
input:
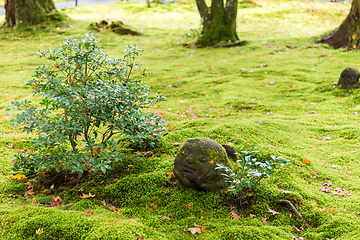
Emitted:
<point x="222" y="94"/>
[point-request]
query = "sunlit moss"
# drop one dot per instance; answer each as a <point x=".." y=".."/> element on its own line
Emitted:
<point x="222" y="94"/>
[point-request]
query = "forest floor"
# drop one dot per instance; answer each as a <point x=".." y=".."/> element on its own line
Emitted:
<point x="277" y="92"/>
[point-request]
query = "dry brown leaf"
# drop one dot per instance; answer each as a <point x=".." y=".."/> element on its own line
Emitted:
<point x="234" y="215"/>
<point x="189" y="205"/>
<point x="264" y="220"/>
<point x="33" y="200"/>
<point x="54" y="203"/>
<point x="147" y="154"/>
<point x="29" y="193"/>
<point x="273" y="212"/>
<point x="194" y="230"/>
<point x="29" y="185"/>
<point x="252" y="215"/>
<point x="88" y="212"/>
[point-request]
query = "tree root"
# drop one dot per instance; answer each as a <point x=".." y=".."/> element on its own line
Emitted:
<point x="237" y="43"/>
<point x="297" y="213"/>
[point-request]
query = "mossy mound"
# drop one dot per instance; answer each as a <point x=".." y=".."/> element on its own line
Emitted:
<point x="248" y="4"/>
<point x="116" y="27"/>
<point x="195" y="165"/>
<point x="349" y="78"/>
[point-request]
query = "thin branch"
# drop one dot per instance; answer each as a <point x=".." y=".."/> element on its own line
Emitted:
<point x="294" y="210"/>
<point x="203" y="9"/>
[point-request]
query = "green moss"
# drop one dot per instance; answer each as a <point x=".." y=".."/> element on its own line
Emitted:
<point x="207" y="85"/>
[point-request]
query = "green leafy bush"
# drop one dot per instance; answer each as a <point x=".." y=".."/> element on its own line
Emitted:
<point x="251" y="171"/>
<point x="88" y="98"/>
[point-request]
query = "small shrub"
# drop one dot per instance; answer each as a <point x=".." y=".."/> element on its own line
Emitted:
<point x="88" y="98"/>
<point x="251" y="171"/>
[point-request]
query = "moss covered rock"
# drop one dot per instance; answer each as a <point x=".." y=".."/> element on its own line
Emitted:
<point x="195" y="165"/>
<point x="349" y="78"/>
<point x="116" y="27"/>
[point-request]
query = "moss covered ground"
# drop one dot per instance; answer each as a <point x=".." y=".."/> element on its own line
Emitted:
<point x="276" y="92"/>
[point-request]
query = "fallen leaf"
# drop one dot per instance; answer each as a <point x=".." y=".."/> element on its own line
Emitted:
<point x="296" y="237"/>
<point x="103" y="202"/>
<point x="170" y="174"/>
<point x="189" y="205"/>
<point x="29" y="185"/>
<point x="252" y="215"/>
<point x="194" y="230"/>
<point x="33" y="200"/>
<point x="234" y="215"/>
<point x="147" y="154"/>
<point x="9" y="146"/>
<point x="55" y="203"/>
<point x="264" y="220"/>
<point x="14" y="196"/>
<point x="19" y="176"/>
<point x="39" y="231"/>
<point x="87" y="196"/>
<point x="273" y="212"/>
<point x="113" y="208"/>
<point x="305" y="160"/>
<point x="29" y="193"/>
<point x="88" y="212"/>
<point x="327" y="183"/>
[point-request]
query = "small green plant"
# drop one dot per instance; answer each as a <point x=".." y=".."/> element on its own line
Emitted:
<point x="250" y="172"/>
<point x="88" y="98"/>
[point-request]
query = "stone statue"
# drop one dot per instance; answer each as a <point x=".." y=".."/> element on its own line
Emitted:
<point x="195" y="164"/>
<point x="349" y="78"/>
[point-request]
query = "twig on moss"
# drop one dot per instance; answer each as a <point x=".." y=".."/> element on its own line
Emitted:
<point x="297" y="213"/>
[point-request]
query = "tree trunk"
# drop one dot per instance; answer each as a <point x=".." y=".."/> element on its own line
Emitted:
<point x="219" y="23"/>
<point x="29" y="12"/>
<point x="348" y="34"/>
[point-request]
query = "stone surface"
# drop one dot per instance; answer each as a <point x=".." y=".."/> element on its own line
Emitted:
<point x="349" y="78"/>
<point x="195" y="165"/>
<point x="231" y="152"/>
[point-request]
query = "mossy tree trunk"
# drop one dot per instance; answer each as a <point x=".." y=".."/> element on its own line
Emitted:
<point x="347" y="35"/>
<point x="219" y="23"/>
<point x="27" y="12"/>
